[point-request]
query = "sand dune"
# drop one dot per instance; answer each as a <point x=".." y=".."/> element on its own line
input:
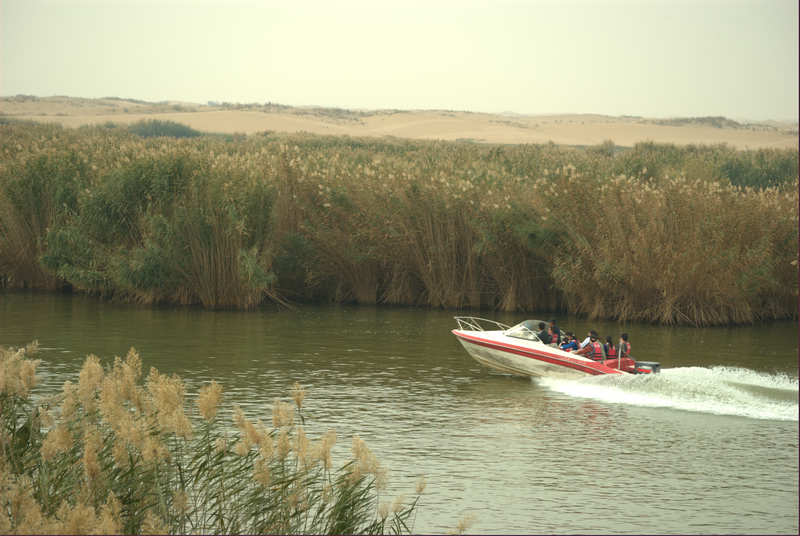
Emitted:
<point x="568" y="129"/>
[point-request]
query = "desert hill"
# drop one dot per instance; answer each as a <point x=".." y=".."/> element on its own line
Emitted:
<point x="566" y="129"/>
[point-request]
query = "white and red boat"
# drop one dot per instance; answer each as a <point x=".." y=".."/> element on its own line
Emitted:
<point x="518" y="350"/>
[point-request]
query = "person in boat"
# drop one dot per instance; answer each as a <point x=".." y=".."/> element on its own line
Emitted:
<point x="624" y="345"/>
<point x="611" y="352"/>
<point x="594" y="349"/>
<point x="586" y="340"/>
<point x="543" y="334"/>
<point x="555" y="333"/>
<point x="571" y="343"/>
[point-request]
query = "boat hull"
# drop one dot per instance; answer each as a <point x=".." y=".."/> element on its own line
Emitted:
<point x="522" y="358"/>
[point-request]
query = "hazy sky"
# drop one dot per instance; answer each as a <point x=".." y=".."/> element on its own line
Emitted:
<point x="654" y="58"/>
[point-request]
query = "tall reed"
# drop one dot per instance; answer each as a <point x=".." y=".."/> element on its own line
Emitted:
<point x="40" y="193"/>
<point x="118" y="452"/>
<point x="680" y="250"/>
<point x="644" y="233"/>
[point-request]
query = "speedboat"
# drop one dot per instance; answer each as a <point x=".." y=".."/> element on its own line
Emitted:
<point x="518" y="350"/>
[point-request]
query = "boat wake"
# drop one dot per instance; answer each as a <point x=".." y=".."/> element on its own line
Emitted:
<point x="717" y="390"/>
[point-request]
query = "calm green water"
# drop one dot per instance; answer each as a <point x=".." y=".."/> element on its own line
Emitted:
<point x="708" y="446"/>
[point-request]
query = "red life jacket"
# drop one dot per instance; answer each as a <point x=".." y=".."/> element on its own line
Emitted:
<point x="611" y="353"/>
<point x="626" y="349"/>
<point x="597" y="351"/>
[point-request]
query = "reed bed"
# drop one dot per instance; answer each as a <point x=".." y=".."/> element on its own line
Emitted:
<point x="723" y="255"/>
<point x="120" y="452"/>
<point x="697" y="235"/>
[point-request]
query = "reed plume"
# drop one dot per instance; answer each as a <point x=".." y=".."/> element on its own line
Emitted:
<point x="122" y="457"/>
<point x="643" y="233"/>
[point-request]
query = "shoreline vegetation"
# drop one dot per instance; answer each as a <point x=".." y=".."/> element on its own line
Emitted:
<point x="120" y="452"/>
<point x="156" y="212"/>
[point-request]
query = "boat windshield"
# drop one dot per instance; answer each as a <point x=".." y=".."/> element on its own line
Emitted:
<point x="526" y="329"/>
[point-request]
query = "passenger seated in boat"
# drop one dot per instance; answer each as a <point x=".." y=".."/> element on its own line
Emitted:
<point x="571" y="343"/>
<point x="543" y="335"/>
<point x="611" y="352"/>
<point x="555" y="332"/>
<point x="586" y="340"/>
<point x="594" y="349"/>
<point x="624" y="345"/>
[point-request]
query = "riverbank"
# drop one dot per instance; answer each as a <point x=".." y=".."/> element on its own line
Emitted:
<point x="649" y="233"/>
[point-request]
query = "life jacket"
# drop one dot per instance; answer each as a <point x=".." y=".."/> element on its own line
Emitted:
<point x="553" y="336"/>
<point x="597" y="351"/>
<point x="626" y="349"/>
<point x="611" y="352"/>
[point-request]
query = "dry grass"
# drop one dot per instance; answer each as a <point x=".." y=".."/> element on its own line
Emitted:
<point x="119" y="453"/>
<point x="647" y="233"/>
<point x="682" y="251"/>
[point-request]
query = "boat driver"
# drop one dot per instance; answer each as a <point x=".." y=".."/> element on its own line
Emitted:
<point x="543" y="334"/>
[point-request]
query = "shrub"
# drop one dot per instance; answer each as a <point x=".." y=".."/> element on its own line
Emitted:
<point x="154" y="128"/>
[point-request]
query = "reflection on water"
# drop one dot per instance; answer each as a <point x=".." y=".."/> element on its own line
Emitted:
<point x="709" y="446"/>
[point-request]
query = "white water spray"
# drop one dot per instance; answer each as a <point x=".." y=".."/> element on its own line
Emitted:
<point x="717" y="390"/>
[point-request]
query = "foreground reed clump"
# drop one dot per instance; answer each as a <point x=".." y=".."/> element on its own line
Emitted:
<point x="117" y="452"/>
<point x="646" y="233"/>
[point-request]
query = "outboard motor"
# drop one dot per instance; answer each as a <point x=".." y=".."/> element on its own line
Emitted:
<point x="647" y="367"/>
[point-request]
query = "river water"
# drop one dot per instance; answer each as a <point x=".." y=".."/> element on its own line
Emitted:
<point x="708" y="446"/>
